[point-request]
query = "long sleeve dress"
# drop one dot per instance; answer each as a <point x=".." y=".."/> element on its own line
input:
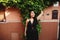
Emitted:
<point x="32" y="33"/>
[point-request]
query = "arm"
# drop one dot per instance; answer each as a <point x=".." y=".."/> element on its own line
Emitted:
<point x="26" y="26"/>
<point x="39" y="16"/>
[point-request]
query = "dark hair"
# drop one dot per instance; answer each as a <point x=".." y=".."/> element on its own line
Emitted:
<point x="30" y="13"/>
<point x="35" y="19"/>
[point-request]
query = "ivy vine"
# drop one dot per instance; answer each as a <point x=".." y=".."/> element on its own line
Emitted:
<point x="26" y="5"/>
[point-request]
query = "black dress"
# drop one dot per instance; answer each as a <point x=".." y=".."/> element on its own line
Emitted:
<point x="32" y="33"/>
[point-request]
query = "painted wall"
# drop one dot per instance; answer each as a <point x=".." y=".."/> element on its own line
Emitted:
<point x="1" y="15"/>
<point x="49" y="31"/>
<point x="49" y="11"/>
<point x="12" y="29"/>
<point x="13" y="15"/>
<point x="49" y="26"/>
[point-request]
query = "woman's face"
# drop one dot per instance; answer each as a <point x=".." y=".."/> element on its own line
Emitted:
<point x="32" y="14"/>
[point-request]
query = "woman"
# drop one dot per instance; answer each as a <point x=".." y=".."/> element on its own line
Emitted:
<point x="31" y="32"/>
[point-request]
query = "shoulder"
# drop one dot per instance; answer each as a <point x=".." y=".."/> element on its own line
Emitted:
<point x="27" y="20"/>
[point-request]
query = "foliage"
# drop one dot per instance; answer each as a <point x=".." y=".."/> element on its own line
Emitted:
<point x="38" y="28"/>
<point x="26" y="5"/>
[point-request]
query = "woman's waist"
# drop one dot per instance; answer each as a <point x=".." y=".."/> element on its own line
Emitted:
<point x="32" y="28"/>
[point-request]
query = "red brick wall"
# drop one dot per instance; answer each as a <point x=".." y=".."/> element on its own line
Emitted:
<point x="6" y="30"/>
<point x="49" y="31"/>
<point x="14" y="15"/>
<point x="12" y="29"/>
<point x="49" y="28"/>
<point x="49" y="10"/>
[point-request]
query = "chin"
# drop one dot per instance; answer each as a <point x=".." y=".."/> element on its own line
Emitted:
<point x="33" y="17"/>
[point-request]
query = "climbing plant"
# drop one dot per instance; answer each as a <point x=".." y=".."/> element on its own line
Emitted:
<point x="26" y="5"/>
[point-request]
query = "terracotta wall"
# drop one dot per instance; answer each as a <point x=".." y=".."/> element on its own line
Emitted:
<point x="49" y="25"/>
<point x="13" y="28"/>
<point x="13" y="15"/>
<point x="1" y="15"/>
<point x="11" y="31"/>
<point x="49" y="10"/>
<point x="49" y="31"/>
